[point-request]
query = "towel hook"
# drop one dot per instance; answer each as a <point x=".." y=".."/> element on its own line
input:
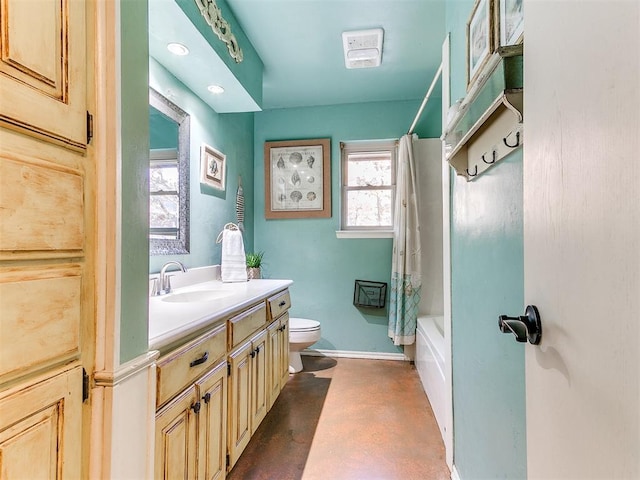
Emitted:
<point x="475" y="172"/>
<point x="517" y="141"/>
<point x="494" y="156"/>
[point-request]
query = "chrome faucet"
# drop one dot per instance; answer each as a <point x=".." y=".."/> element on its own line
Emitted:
<point x="163" y="282"/>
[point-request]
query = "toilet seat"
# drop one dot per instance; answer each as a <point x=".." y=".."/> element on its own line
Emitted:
<point x="303" y="325"/>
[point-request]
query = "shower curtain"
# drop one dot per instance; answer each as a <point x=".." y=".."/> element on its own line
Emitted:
<point x="406" y="276"/>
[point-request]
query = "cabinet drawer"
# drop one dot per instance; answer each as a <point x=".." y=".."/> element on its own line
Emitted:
<point x="243" y="325"/>
<point x="278" y="304"/>
<point x="183" y="366"/>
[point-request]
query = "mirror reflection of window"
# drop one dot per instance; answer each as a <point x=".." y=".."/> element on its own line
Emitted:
<point x="168" y="177"/>
<point x="164" y="201"/>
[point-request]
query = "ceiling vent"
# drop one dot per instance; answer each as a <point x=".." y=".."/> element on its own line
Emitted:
<point x="362" y="48"/>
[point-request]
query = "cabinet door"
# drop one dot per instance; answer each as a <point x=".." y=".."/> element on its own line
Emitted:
<point x="258" y="380"/>
<point x="176" y="437"/>
<point x="41" y="428"/>
<point x="239" y="416"/>
<point x="273" y="362"/>
<point x="284" y="350"/>
<point x="212" y="431"/>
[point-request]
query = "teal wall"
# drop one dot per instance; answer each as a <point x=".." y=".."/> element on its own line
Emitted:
<point x="307" y="251"/>
<point x="134" y="264"/>
<point x="487" y="280"/>
<point x="232" y="134"/>
<point x="163" y="131"/>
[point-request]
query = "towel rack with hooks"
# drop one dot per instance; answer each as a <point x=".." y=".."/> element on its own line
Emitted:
<point x="228" y="226"/>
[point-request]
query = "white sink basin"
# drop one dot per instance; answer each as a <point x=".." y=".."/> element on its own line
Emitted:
<point x="196" y="296"/>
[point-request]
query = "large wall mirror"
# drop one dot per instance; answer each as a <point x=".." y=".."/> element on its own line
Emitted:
<point x="168" y="177"/>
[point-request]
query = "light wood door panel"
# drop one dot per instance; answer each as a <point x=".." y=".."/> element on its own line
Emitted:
<point x="41" y="317"/>
<point x="273" y="362"/>
<point x="284" y="350"/>
<point x="42" y="69"/>
<point x="41" y="207"/>
<point x="41" y="429"/>
<point x="239" y="411"/>
<point x="176" y="438"/>
<point x="258" y="380"/>
<point x="212" y="391"/>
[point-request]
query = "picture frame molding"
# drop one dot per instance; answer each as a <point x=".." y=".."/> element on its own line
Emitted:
<point x="208" y="154"/>
<point x="324" y="210"/>
<point x="483" y="10"/>
<point x="500" y="25"/>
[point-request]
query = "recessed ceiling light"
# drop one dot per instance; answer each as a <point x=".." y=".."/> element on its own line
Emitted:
<point x="178" y="49"/>
<point x="215" y="89"/>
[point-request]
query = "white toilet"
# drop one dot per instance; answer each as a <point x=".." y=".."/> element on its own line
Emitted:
<point x="302" y="334"/>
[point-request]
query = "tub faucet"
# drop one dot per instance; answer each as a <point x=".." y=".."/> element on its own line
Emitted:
<point x="163" y="285"/>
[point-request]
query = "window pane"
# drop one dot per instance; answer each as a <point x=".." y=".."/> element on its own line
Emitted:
<point x="163" y="178"/>
<point x="369" y="169"/>
<point x="163" y="211"/>
<point x="369" y="208"/>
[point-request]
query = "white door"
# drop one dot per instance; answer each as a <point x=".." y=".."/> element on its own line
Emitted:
<point x="582" y="237"/>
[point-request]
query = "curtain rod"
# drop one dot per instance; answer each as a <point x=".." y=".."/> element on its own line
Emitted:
<point x="426" y="99"/>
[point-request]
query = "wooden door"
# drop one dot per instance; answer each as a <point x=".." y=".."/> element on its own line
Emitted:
<point x="258" y="379"/>
<point x="582" y="238"/>
<point x="212" y="434"/>
<point x="46" y="233"/>
<point x="239" y="404"/>
<point x="176" y="443"/>
<point x="273" y="362"/>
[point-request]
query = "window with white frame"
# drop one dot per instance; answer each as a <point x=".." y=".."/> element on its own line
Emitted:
<point x="368" y="185"/>
<point x="164" y="201"/>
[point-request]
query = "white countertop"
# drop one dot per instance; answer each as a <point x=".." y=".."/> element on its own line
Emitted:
<point x="171" y="321"/>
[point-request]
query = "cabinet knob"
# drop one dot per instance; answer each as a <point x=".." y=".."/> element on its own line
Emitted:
<point x="196" y="407"/>
<point x="282" y="303"/>
<point x="253" y="353"/>
<point x="207" y="397"/>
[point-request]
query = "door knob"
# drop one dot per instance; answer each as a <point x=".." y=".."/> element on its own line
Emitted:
<point x="526" y="327"/>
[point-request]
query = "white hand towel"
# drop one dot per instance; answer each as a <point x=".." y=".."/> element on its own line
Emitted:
<point x="233" y="266"/>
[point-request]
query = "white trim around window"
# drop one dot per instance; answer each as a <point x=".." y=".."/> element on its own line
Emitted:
<point x="365" y="177"/>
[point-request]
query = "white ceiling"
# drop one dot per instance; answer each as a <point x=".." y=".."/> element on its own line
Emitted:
<point x="300" y="44"/>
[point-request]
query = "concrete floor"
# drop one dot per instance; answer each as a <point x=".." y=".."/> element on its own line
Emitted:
<point x="347" y="419"/>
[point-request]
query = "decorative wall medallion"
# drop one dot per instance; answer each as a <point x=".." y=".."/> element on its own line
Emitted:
<point x="212" y="14"/>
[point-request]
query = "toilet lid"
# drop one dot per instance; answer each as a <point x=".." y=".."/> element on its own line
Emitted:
<point x="303" y="324"/>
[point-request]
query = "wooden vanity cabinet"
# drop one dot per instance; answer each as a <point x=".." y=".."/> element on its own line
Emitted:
<point x="191" y="420"/>
<point x="213" y="392"/>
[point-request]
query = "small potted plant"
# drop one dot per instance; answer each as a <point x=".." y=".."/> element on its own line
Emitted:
<point x="254" y="261"/>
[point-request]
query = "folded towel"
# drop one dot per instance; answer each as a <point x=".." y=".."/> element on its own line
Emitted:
<point x="233" y="266"/>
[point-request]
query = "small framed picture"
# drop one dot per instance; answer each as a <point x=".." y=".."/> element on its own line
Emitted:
<point x="212" y="167"/>
<point x="479" y="38"/>
<point x="297" y="178"/>
<point x="510" y="23"/>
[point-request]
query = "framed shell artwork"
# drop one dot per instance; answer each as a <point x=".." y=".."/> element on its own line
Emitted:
<point x="297" y="178"/>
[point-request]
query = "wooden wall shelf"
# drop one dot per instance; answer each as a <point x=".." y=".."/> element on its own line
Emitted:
<point x="489" y="122"/>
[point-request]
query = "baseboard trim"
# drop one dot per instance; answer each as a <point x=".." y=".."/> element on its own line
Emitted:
<point x="454" y="474"/>
<point x="353" y="354"/>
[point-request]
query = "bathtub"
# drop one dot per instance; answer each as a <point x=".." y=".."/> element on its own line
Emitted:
<point x="430" y="363"/>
